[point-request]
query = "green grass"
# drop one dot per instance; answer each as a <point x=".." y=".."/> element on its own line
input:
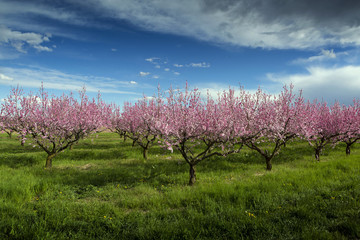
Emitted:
<point x="103" y="189"/>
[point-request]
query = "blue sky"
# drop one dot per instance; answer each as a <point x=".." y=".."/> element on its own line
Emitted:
<point x="125" y="48"/>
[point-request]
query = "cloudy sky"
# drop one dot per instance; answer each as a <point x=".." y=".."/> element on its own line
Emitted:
<point x="126" y="48"/>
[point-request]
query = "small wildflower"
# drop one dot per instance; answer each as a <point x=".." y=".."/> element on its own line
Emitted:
<point x="250" y="214"/>
<point x="332" y="197"/>
<point x="60" y="192"/>
<point x="98" y="191"/>
<point x="104" y="216"/>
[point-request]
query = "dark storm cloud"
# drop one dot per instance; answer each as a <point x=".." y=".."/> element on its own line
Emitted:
<point x="326" y="12"/>
<point x="335" y="15"/>
<point x="278" y="24"/>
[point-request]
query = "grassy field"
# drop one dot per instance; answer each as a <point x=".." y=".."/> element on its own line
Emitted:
<point x="103" y="189"/>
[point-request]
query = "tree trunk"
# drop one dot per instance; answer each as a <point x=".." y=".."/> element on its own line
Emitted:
<point x="348" y="149"/>
<point x="268" y="164"/>
<point x="49" y="158"/>
<point x="134" y="142"/>
<point x="192" y="175"/>
<point x="317" y="154"/>
<point x="145" y="153"/>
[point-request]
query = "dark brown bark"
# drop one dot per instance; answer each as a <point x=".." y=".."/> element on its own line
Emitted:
<point x="192" y="175"/>
<point x="145" y="153"/>
<point x="348" y="150"/>
<point x="317" y="154"/>
<point x="268" y="164"/>
<point x="49" y="158"/>
<point x="9" y="134"/>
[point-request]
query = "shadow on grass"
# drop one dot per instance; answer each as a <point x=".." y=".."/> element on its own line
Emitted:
<point x="248" y="157"/>
<point x="17" y="161"/>
<point x="91" y="154"/>
<point x="87" y="146"/>
<point x="154" y="172"/>
<point x="15" y="148"/>
<point x="129" y="174"/>
<point x="293" y="152"/>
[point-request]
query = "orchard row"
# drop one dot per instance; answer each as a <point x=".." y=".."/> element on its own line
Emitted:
<point x="198" y="126"/>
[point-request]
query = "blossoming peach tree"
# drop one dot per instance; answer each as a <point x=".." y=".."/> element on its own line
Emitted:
<point x="15" y="110"/>
<point x="272" y="120"/>
<point x="137" y="122"/>
<point x="198" y="130"/>
<point x="350" y="126"/>
<point x="3" y="122"/>
<point x="321" y="125"/>
<point x="197" y="127"/>
<point x="54" y="123"/>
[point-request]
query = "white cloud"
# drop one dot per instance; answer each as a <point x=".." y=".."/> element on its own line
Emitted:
<point x="337" y="83"/>
<point x="28" y="11"/>
<point x="216" y="89"/>
<point x="42" y="48"/>
<point x="152" y="60"/>
<point x="114" y="50"/>
<point x="133" y="82"/>
<point x="19" y="40"/>
<point x="144" y="74"/>
<point x="53" y="79"/>
<point x="324" y="55"/>
<point x="147" y="98"/>
<point x="200" y="65"/>
<point x="158" y="62"/>
<point x="5" y="78"/>
<point x="8" y="53"/>
<point x="177" y="73"/>
<point x="328" y="53"/>
<point x="155" y="76"/>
